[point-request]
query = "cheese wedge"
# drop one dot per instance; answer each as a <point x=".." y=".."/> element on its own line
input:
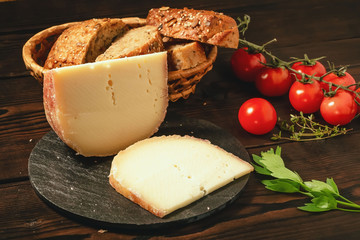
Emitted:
<point x="100" y="108"/>
<point x="163" y="174"/>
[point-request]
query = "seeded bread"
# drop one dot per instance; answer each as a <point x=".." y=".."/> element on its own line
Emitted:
<point x="136" y="41"/>
<point x="134" y="21"/>
<point x="198" y="25"/>
<point x="83" y="42"/>
<point x="183" y="56"/>
<point x="163" y="174"/>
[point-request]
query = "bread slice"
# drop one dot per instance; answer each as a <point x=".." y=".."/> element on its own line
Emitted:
<point x="83" y="42"/>
<point x="185" y="55"/>
<point x="136" y="41"/>
<point x="163" y="174"/>
<point x="198" y="25"/>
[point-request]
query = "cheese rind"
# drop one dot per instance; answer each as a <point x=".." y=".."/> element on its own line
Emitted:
<point x="101" y="108"/>
<point x="163" y="174"/>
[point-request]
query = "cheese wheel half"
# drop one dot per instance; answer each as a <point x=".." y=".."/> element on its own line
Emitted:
<point x="100" y="108"/>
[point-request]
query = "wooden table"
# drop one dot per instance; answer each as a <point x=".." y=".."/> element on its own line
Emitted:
<point x="319" y="28"/>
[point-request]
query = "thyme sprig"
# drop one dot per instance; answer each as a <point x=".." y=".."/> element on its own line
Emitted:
<point x="302" y="128"/>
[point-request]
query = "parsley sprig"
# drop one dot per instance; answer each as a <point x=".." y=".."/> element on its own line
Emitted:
<point x="325" y="196"/>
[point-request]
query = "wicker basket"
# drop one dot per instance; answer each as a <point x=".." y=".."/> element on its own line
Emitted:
<point x="181" y="83"/>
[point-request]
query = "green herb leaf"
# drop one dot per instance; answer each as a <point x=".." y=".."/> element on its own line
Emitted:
<point x="282" y="185"/>
<point x="261" y="170"/>
<point x="322" y="201"/>
<point x="274" y="163"/>
<point x="325" y="196"/>
<point x="278" y="151"/>
<point x="311" y="207"/>
<point x="260" y="167"/>
<point x="331" y="182"/>
<point x="325" y="202"/>
<point x="319" y="186"/>
<point x="257" y="159"/>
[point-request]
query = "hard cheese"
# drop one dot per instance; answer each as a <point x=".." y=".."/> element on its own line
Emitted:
<point x="100" y="108"/>
<point x="163" y="174"/>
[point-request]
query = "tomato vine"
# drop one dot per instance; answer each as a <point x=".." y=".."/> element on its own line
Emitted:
<point x="271" y="82"/>
<point x="276" y="61"/>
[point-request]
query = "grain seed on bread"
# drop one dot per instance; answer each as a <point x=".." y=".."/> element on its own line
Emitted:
<point x="199" y="25"/>
<point x="83" y="42"/>
<point x="136" y="41"/>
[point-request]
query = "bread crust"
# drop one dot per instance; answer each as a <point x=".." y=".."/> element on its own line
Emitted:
<point x="134" y="22"/>
<point x="83" y="42"/>
<point x="198" y="25"/>
<point x="137" y="41"/>
<point x="185" y="55"/>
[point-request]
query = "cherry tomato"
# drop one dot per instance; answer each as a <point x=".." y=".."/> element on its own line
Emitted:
<point x="273" y="82"/>
<point x="246" y="65"/>
<point x="306" y="97"/>
<point x="316" y="69"/>
<point x="257" y="116"/>
<point x="339" y="109"/>
<point x="344" y="80"/>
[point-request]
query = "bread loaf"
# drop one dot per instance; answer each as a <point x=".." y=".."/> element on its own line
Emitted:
<point x="163" y="174"/>
<point x="185" y="55"/>
<point x="136" y="41"/>
<point x="198" y="25"/>
<point x="83" y="42"/>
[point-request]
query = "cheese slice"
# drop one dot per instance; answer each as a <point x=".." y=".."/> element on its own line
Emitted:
<point x="163" y="174"/>
<point x="101" y="108"/>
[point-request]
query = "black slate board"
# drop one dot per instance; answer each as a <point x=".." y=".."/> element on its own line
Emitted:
<point x="79" y="186"/>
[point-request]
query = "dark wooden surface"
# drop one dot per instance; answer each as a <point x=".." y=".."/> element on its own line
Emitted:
<point x="319" y="28"/>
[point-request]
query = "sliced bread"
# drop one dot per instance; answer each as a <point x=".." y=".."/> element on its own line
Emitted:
<point x="198" y="25"/>
<point x="83" y="42"/>
<point x="183" y="56"/>
<point x="136" y="41"/>
<point x="163" y="174"/>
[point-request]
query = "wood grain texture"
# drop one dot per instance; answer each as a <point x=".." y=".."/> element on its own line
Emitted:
<point x="318" y="28"/>
<point x="257" y="214"/>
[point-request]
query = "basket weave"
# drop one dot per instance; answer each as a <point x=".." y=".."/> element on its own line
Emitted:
<point x="181" y="83"/>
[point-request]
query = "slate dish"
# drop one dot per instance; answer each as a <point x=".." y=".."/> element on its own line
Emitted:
<point x="79" y="187"/>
